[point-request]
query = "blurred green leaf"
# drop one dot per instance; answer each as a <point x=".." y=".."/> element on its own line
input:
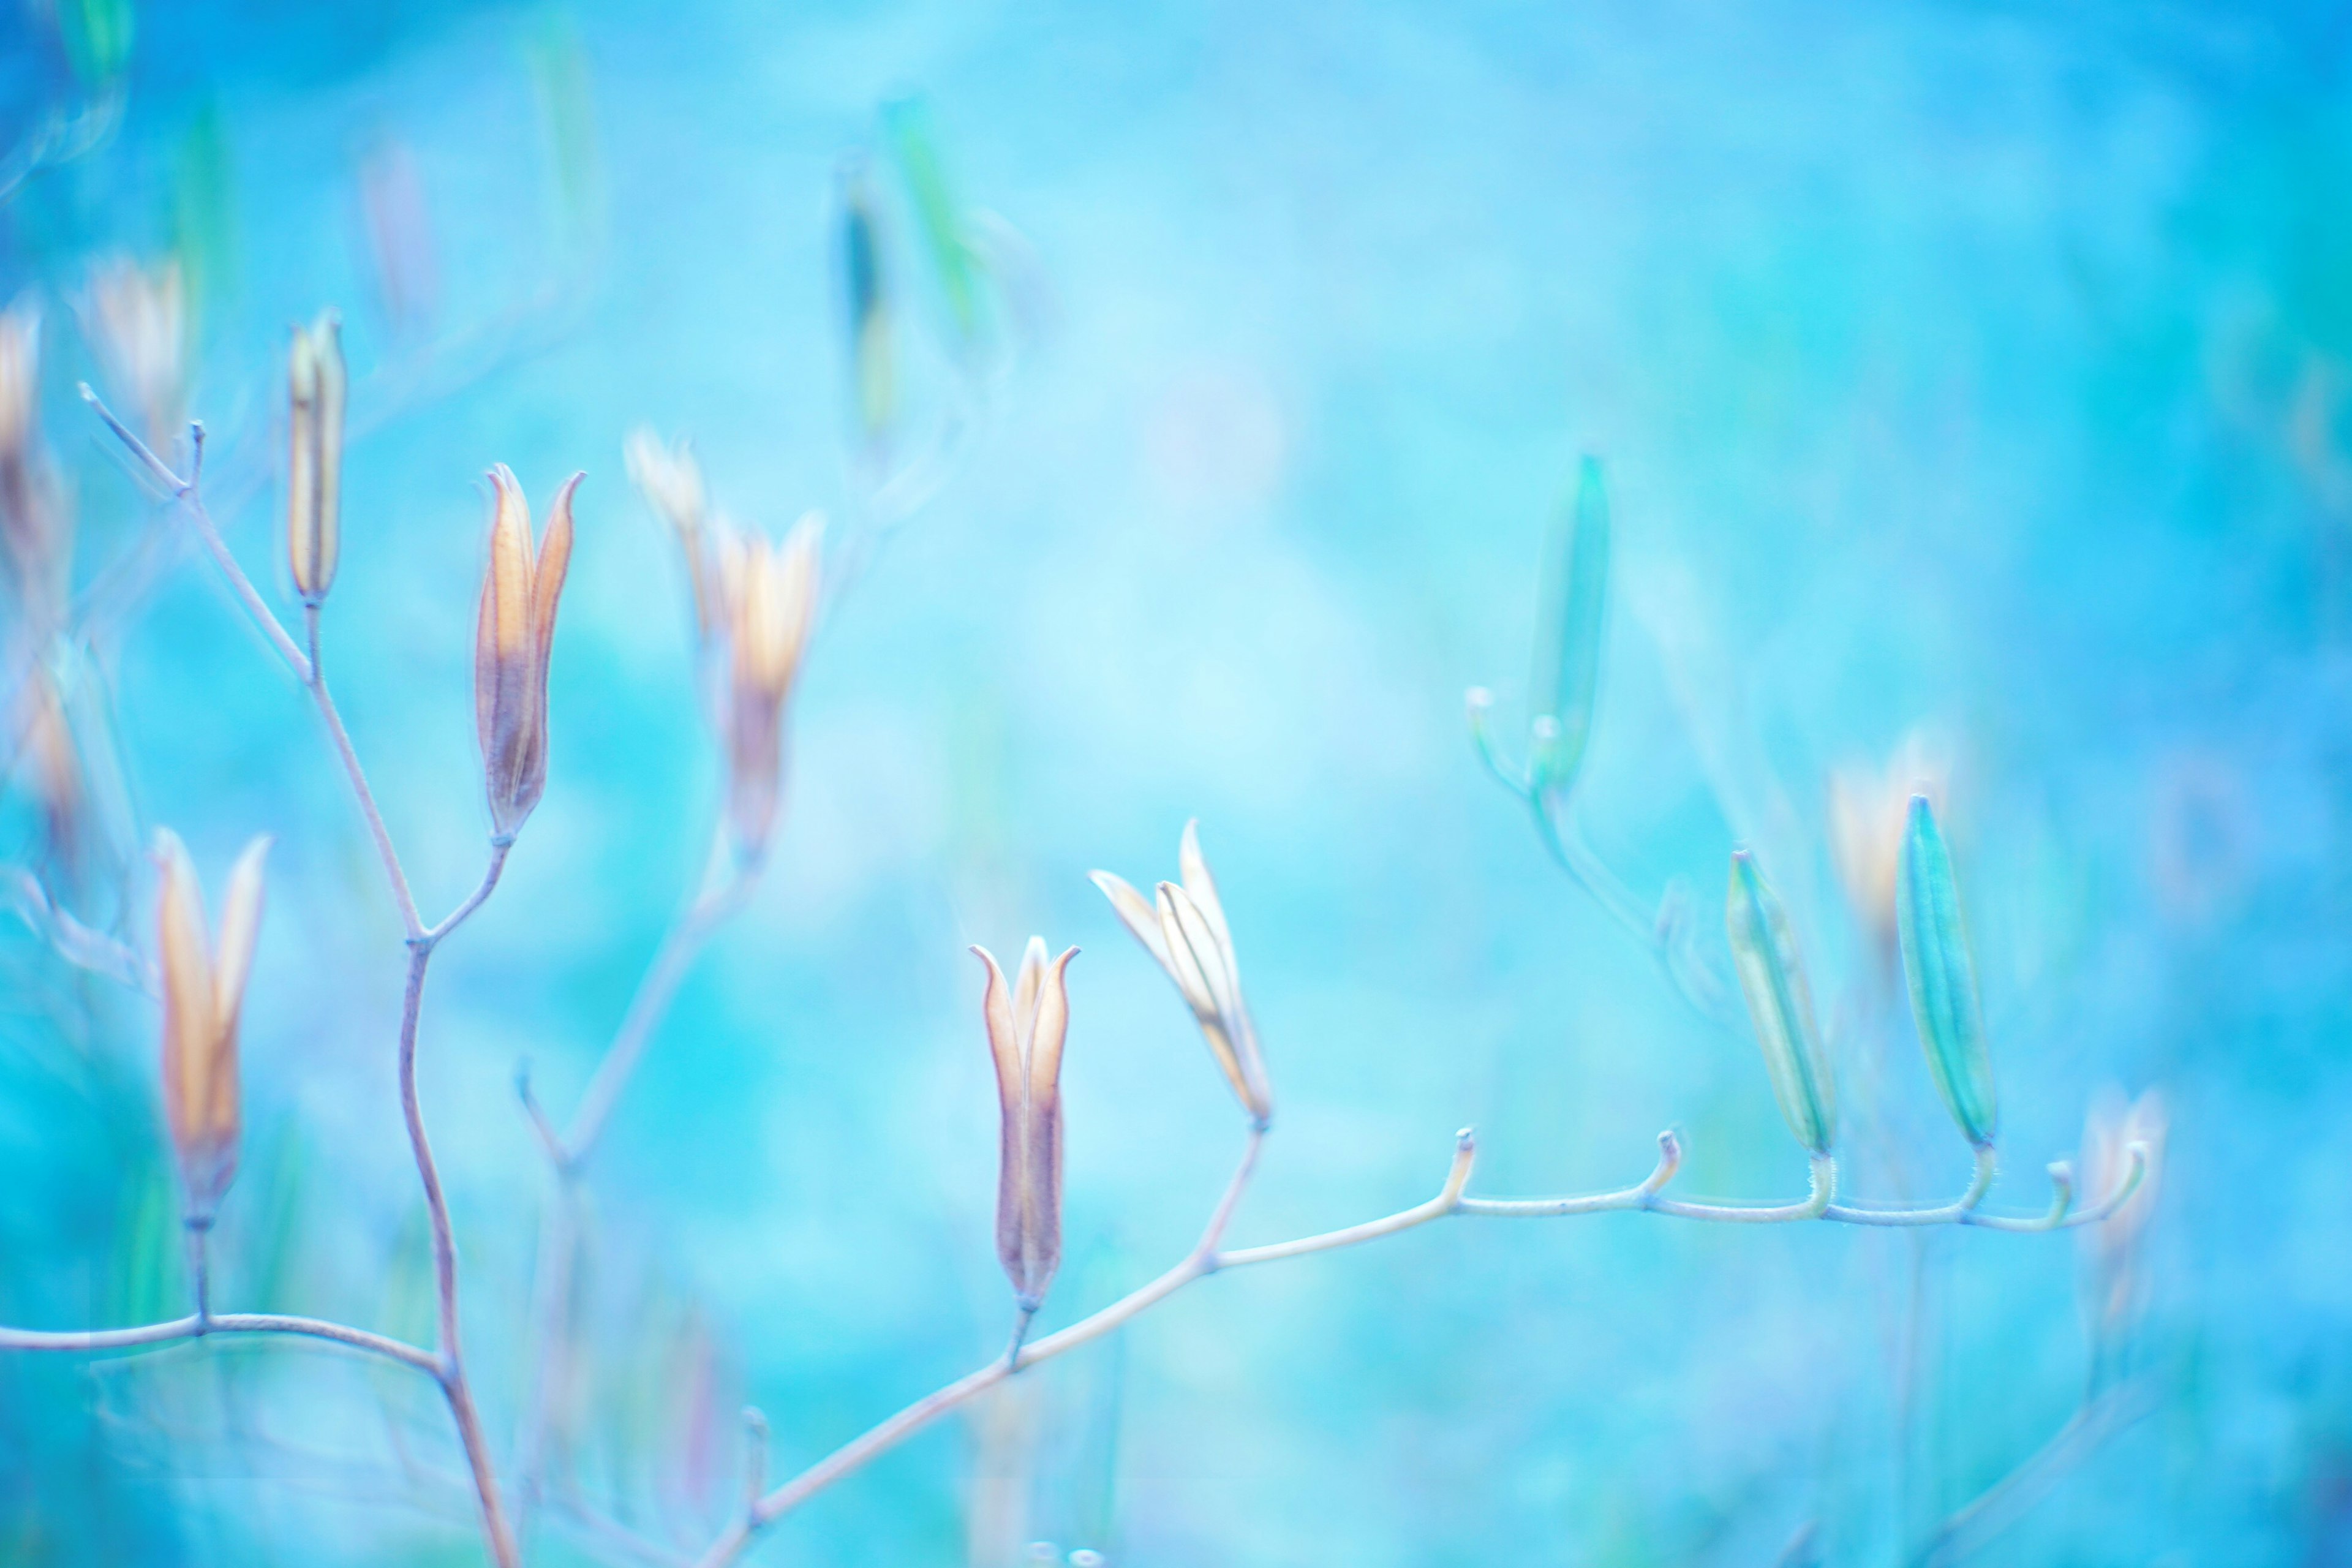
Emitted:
<point x="559" y="68"/>
<point x="98" y="36"/>
<point x="915" y="148"/>
<point x="203" y="212"/>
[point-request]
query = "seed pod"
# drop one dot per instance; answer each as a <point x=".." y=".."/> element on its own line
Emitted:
<point x="1772" y="974"/>
<point x="512" y="639"/>
<point x="315" y="382"/>
<point x="1183" y="928"/>
<point x="1026" y="1030"/>
<point x="771" y="600"/>
<point x="203" y="994"/>
<point x="864" y="283"/>
<point x="1942" y="977"/>
<point x="1568" y="647"/>
<point x="671" y="483"/>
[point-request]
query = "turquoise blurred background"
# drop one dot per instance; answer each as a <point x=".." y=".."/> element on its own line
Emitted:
<point x="1970" y="370"/>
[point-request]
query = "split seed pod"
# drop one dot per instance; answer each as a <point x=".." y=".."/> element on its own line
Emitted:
<point x="203" y="991"/>
<point x="1942" y="977"/>
<point x="512" y="642"/>
<point x="1568" y="648"/>
<point x="316" y="382"/>
<point x="771" y="599"/>
<point x="1772" y="974"/>
<point x="1026" y="1029"/>
<point x="1184" y="927"/>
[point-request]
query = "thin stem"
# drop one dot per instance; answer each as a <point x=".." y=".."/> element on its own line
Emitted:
<point x="1448" y="1200"/>
<point x="199" y="1270"/>
<point x="755" y="1457"/>
<point x="452" y="1366"/>
<point x="1987" y="1165"/>
<point x="410" y="920"/>
<point x="77" y="944"/>
<point x="184" y="492"/>
<point x="1205" y="1260"/>
<point x="662" y="978"/>
<point x="2002" y="1504"/>
<point x="195" y="1326"/>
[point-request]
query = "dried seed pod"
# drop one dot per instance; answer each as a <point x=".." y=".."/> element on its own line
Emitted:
<point x="771" y="599"/>
<point x="1026" y="1026"/>
<point x="1568" y="650"/>
<point x="316" y="382"/>
<point x="1942" y="977"/>
<point x="203" y="994"/>
<point x="1184" y="929"/>
<point x="512" y="638"/>
<point x="1772" y="974"/>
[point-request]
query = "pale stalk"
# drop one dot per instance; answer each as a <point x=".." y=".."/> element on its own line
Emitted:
<point x="1206" y="1258"/>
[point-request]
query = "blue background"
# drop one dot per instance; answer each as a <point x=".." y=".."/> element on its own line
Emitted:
<point x="1954" y="364"/>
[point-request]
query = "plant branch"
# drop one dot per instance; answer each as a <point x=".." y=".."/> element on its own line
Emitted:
<point x="1206" y="1258"/>
<point x="184" y="492"/>
<point x="452" y="1366"/>
<point x="148" y="1336"/>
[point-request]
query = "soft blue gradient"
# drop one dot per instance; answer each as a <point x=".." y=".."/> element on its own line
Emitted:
<point x="1957" y="365"/>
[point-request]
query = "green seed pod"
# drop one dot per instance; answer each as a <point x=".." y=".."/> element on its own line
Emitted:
<point x="1942" y="977"/>
<point x="1772" y="974"/>
<point x="1568" y="644"/>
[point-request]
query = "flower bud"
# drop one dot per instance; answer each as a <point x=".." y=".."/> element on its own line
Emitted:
<point x="1026" y="1029"/>
<point x="316" y="382"/>
<point x="512" y="638"/>
<point x="1568" y="650"/>
<point x="1183" y="928"/>
<point x="771" y="599"/>
<point x="1772" y="974"/>
<point x="1942" y="977"/>
<point x="203" y="992"/>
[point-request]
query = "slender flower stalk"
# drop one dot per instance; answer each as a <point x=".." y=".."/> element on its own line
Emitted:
<point x="1026" y="1026"/>
<point x="316" y="384"/>
<point x="512" y="640"/>
<point x="1183" y="928"/>
<point x="203" y="994"/>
